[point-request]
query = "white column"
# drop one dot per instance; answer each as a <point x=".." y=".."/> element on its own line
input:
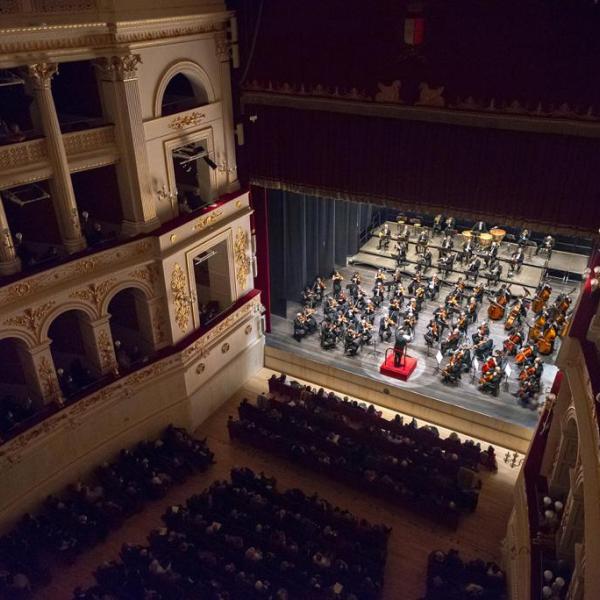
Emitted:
<point x="63" y="197"/>
<point x="118" y="77"/>
<point x="9" y="261"/>
<point x="42" y="374"/>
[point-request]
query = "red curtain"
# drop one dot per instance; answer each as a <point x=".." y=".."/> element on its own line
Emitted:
<point x="508" y="177"/>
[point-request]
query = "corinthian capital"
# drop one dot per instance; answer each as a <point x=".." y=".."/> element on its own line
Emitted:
<point x="40" y="74"/>
<point x="118" y="68"/>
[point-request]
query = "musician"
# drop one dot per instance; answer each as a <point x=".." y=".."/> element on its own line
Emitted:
<point x="472" y="309"/>
<point x="451" y="342"/>
<point x="479" y="227"/>
<point x="516" y="261"/>
<point x="483" y="348"/>
<point x="397" y="277"/>
<point x="446" y="263"/>
<point x="425" y="259"/>
<point x="433" y="333"/>
<point x="328" y="336"/>
<point x="309" y="320"/>
<point x="410" y="321"/>
<point x="369" y="312"/>
<point x="337" y="283"/>
<point x="446" y="246"/>
<point x="467" y="251"/>
<point x="380" y="276"/>
<point x="512" y="344"/>
<point x="356" y="278"/>
<point x="366" y="331"/>
<point x="394" y="309"/>
<point x="415" y="282"/>
<point x="467" y="359"/>
<point x="422" y="241"/>
<point x="400" y="255"/>
<point x="308" y="299"/>
<point x="437" y="224"/>
<point x="385" y="235"/>
<point x="330" y="307"/>
<point x="450" y="225"/>
<point x="353" y="289"/>
<point x="478" y="292"/>
<point x="402" y="338"/>
<point x="462" y="323"/>
<point x="473" y="269"/>
<point x="397" y="293"/>
<point x="547" y="245"/>
<point x="433" y="287"/>
<point x="492" y="254"/>
<point x="526" y="355"/>
<point x="318" y="289"/>
<point x="419" y="298"/>
<point x="482" y="332"/>
<point x="490" y="382"/>
<point x="451" y="373"/>
<point x="300" y="327"/>
<point x="440" y="314"/>
<point x="352" y="342"/>
<point x="494" y="271"/>
<point x="403" y="233"/>
<point x="527" y="391"/>
<point x="523" y="238"/>
<point x="386" y="328"/>
<point x="378" y="294"/>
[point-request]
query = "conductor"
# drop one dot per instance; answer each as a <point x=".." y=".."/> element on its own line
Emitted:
<point x="402" y="339"/>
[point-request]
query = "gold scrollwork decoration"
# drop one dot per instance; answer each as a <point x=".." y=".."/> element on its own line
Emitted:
<point x="94" y="292"/>
<point x="106" y="350"/>
<point x="194" y="118"/>
<point x="241" y="258"/>
<point x="209" y="219"/>
<point x="48" y="379"/>
<point x="248" y="329"/>
<point x="225" y="348"/>
<point x="31" y="318"/>
<point x="179" y="288"/>
<point x="200" y="368"/>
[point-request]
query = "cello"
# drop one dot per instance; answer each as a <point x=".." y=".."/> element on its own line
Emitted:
<point x="541" y="298"/>
<point x="497" y="307"/>
<point x="545" y="344"/>
<point x="514" y="315"/>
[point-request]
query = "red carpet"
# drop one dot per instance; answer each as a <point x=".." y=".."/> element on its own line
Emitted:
<point x="409" y="364"/>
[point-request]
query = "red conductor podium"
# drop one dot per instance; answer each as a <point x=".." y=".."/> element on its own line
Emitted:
<point x="407" y="365"/>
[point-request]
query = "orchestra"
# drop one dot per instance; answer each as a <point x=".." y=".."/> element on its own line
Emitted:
<point x="388" y="312"/>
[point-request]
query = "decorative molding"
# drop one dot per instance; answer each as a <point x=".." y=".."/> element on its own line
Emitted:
<point x="147" y="274"/>
<point x="52" y="6"/>
<point x="158" y="323"/>
<point x="225" y="348"/>
<point x="194" y="118"/>
<point x="23" y="154"/>
<point x="208" y="220"/>
<point x="31" y="318"/>
<point x="94" y="293"/>
<point x="119" y="68"/>
<point x="105" y="348"/>
<point x="40" y="74"/>
<point x="47" y="375"/>
<point x="89" y="140"/>
<point x="241" y="258"/>
<point x="179" y="288"/>
<point x="222" y="45"/>
<point x="200" y="368"/>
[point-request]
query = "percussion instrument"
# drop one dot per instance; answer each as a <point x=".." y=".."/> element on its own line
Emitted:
<point x="485" y="240"/>
<point x="497" y="234"/>
<point x="467" y="234"/>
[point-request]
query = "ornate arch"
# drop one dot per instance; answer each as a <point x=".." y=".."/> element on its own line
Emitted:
<point x="124" y="285"/>
<point x="18" y="334"/>
<point x="63" y="308"/>
<point x="193" y="71"/>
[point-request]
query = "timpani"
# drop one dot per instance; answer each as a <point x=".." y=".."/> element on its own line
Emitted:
<point x="497" y="234"/>
<point x="485" y="240"/>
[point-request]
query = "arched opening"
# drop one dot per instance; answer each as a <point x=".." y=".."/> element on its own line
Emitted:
<point x="18" y="397"/>
<point x="131" y="327"/>
<point x="182" y="93"/>
<point x="566" y="458"/>
<point x="73" y="351"/>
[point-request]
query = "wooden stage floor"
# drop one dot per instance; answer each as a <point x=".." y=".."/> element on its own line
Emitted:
<point x="412" y="537"/>
<point x="425" y="379"/>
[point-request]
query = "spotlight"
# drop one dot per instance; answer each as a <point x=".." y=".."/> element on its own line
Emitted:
<point x="210" y="163"/>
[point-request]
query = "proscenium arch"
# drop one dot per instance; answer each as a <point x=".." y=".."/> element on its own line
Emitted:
<point x="125" y="285"/>
<point x="193" y="71"/>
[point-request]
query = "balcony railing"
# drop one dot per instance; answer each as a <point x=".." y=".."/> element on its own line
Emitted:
<point x="23" y="154"/>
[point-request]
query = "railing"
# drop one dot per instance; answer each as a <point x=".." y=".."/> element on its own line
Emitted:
<point x="22" y="154"/>
<point x="52" y="6"/>
<point x="89" y="139"/>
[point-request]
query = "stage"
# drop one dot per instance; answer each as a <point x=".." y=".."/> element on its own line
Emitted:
<point x="425" y="379"/>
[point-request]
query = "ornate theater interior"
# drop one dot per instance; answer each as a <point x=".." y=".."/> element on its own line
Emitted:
<point x="299" y="300"/>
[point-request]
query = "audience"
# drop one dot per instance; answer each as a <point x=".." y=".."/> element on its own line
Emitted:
<point x="246" y="540"/>
<point x="13" y="412"/>
<point x="85" y="513"/>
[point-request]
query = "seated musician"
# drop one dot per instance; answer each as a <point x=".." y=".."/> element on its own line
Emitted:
<point x="479" y="291"/>
<point x="450" y="225"/>
<point x="308" y="299"/>
<point x="352" y="342"/>
<point x="433" y="287"/>
<point x="355" y="278"/>
<point x="467" y="359"/>
<point x="318" y="289"/>
<point x="512" y="344"/>
<point x="419" y="298"/>
<point x="416" y="281"/>
<point x="547" y="245"/>
<point x="385" y="235"/>
<point x="446" y="263"/>
<point x="490" y="382"/>
<point x="309" y="320"/>
<point x="369" y="312"/>
<point x="337" y="282"/>
<point x="433" y="333"/>
<point x="422" y="241"/>
<point x="437" y="224"/>
<point x="492" y="254"/>
<point x="413" y="306"/>
<point x="425" y="259"/>
<point x="473" y="269"/>
<point x="482" y="332"/>
<point x="394" y="309"/>
<point x="516" y="261"/>
<point x="479" y="227"/>
<point x="386" y="328"/>
<point x="446" y="246"/>
<point x="330" y="306"/>
<point x="467" y="251"/>
<point x="400" y="255"/>
<point x="523" y="238"/>
<point x="328" y="336"/>
<point x="473" y="309"/>
<point x="494" y="271"/>
<point x="440" y="314"/>
<point x="366" y="331"/>
<point x="483" y="348"/>
<point x="378" y="294"/>
<point x="527" y="392"/>
<point x="452" y="372"/>
<point x="380" y="276"/>
<point x="451" y="342"/>
<point x="300" y="327"/>
<point x="462" y="323"/>
<point x="403" y="233"/>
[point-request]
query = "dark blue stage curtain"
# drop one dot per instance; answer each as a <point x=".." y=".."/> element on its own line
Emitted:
<point x="309" y="236"/>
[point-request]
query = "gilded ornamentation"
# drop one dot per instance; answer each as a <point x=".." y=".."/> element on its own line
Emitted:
<point x="208" y="220"/>
<point x="86" y="266"/>
<point x="46" y="6"/>
<point x="23" y="154"/>
<point x="91" y="139"/>
<point x="31" y="318"/>
<point x="222" y="45"/>
<point x="48" y="378"/>
<point x="106" y="350"/>
<point x="119" y="68"/>
<point x="200" y="368"/>
<point x="94" y="293"/>
<point x="147" y="274"/>
<point x="194" y="118"/>
<point x="248" y="329"/>
<point x="179" y="288"/>
<point x="241" y="258"/>
<point x="41" y="73"/>
<point x="225" y="348"/>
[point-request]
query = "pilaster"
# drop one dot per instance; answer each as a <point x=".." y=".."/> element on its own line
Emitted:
<point x="63" y="196"/>
<point x="121" y="96"/>
<point x="98" y="342"/>
<point x="9" y="261"/>
<point x="41" y="374"/>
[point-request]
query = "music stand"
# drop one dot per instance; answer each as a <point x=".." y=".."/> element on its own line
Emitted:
<point x="507" y="374"/>
<point x="474" y="369"/>
<point x="439" y="357"/>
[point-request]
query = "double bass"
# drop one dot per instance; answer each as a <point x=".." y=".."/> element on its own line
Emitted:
<point x="497" y="308"/>
<point x="513" y="342"/>
<point x="513" y="316"/>
<point x="541" y="298"/>
<point x="545" y="344"/>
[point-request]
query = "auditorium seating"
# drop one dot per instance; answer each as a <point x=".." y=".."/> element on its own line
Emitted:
<point x="247" y="540"/>
<point x="450" y="578"/>
<point x="84" y="514"/>
<point x="402" y="463"/>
